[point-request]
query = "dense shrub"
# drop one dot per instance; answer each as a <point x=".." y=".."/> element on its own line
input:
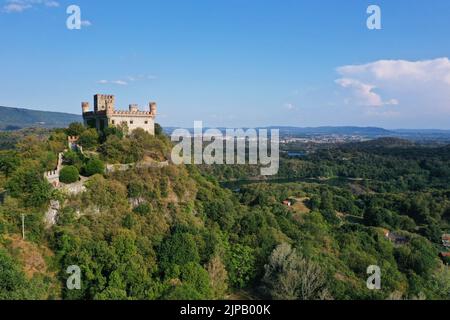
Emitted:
<point x="89" y="139"/>
<point x="75" y="129"/>
<point x="73" y="158"/>
<point x="27" y="183"/>
<point x="158" y="129"/>
<point x="94" y="166"/>
<point x="69" y="174"/>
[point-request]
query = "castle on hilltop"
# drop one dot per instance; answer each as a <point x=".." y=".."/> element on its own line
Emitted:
<point x="105" y="115"/>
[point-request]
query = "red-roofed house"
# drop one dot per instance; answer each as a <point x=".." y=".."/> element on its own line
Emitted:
<point x="287" y="203"/>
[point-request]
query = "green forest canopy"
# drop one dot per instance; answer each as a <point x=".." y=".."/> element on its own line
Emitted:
<point x="175" y="233"/>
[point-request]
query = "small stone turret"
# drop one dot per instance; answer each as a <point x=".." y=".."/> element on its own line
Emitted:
<point x="85" y="107"/>
<point x="153" y="108"/>
<point x="134" y="108"/>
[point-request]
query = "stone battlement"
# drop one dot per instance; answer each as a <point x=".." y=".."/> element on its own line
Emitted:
<point x="138" y="112"/>
<point x="52" y="176"/>
<point x="106" y="104"/>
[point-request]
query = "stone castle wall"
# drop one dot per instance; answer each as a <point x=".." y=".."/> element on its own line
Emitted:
<point x="105" y="115"/>
<point x="53" y="176"/>
<point x="133" y="121"/>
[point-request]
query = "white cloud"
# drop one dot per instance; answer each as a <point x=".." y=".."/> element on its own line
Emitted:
<point x="363" y="93"/>
<point x="118" y="82"/>
<point x="289" y="106"/>
<point x="128" y="80"/>
<point x="425" y="70"/>
<point x="86" y="23"/>
<point x="17" y="6"/>
<point x="52" y="4"/>
<point x="414" y="86"/>
<point x="141" y="77"/>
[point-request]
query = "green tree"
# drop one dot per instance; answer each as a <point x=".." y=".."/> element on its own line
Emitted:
<point x="241" y="265"/>
<point x="114" y="149"/>
<point x="94" y="166"/>
<point x="27" y="183"/>
<point x="69" y="174"/>
<point x="40" y="195"/>
<point x="75" y="129"/>
<point x="135" y="189"/>
<point x="218" y="276"/>
<point x="89" y="138"/>
<point x="117" y="131"/>
<point x="178" y="249"/>
<point x="73" y="158"/>
<point x="418" y="256"/>
<point x="9" y="161"/>
<point x="195" y="275"/>
<point x="158" y="129"/>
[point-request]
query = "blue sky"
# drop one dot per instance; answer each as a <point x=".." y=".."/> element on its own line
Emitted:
<point x="234" y="62"/>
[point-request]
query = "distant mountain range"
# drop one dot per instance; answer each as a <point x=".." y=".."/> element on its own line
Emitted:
<point x="315" y="130"/>
<point x="345" y="130"/>
<point x="367" y="132"/>
<point x="16" y="118"/>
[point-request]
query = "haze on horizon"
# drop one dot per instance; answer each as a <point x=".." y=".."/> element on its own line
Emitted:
<point x="233" y="63"/>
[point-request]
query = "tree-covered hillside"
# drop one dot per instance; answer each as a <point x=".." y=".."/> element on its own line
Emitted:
<point x="17" y="118"/>
<point x="173" y="232"/>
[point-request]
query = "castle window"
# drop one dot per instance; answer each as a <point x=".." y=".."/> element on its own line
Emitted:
<point x="131" y="122"/>
<point x="146" y="122"/>
<point x="113" y="121"/>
